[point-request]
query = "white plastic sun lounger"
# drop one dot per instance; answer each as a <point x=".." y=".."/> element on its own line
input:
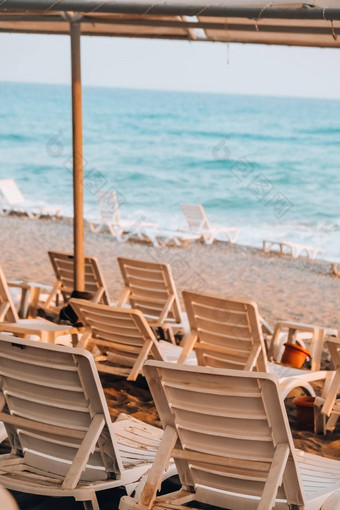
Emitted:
<point x="289" y="248"/>
<point x="229" y="435"/>
<point x="63" y="267"/>
<point x="150" y="288"/>
<point x="121" y="340"/>
<point x="226" y="333"/>
<point x="12" y="200"/>
<point x="59" y="427"/>
<point x="198" y="223"/>
<point x="122" y="230"/>
<point x="161" y="237"/>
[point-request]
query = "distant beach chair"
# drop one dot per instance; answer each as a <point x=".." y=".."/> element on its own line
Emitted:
<point x="226" y="333"/>
<point x="150" y="288"/>
<point x="9" y="320"/>
<point x="289" y="248"/>
<point x="122" y="230"/>
<point x="59" y="427"/>
<point x="229" y="435"/>
<point x="121" y="340"/>
<point x="198" y="223"/>
<point x="327" y="407"/>
<point x="162" y="237"/>
<point x="12" y="200"/>
<point x="335" y="270"/>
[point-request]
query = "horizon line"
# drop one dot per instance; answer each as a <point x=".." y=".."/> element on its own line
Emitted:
<point x="184" y="91"/>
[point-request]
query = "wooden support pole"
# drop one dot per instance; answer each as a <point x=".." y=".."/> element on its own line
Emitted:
<point x="78" y="172"/>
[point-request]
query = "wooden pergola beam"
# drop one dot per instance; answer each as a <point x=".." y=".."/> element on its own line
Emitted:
<point x="173" y="8"/>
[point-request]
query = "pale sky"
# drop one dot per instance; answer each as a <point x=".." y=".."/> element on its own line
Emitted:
<point x="174" y="65"/>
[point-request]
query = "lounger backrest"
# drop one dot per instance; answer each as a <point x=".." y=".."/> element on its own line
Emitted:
<point x="196" y="217"/>
<point x="232" y="434"/>
<point x="109" y="206"/>
<point x="228" y="332"/>
<point x="54" y="397"/>
<point x="8" y="311"/>
<point x="123" y="334"/>
<point x="63" y="266"/>
<point x="10" y="192"/>
<point x="150" y="287"/>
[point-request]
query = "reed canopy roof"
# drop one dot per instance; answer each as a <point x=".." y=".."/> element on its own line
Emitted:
<point x="285" y="22"/>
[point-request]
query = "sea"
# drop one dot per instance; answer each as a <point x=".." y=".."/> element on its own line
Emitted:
<point x="268" y="165"/>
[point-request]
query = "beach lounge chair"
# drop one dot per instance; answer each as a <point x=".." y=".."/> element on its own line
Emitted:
<point x="335" y="271"/>
<point x="198" y="223"/>
<point x="289" y="248"/>
<point x="227" y="333"/>
<point x="63" y="267"/>
<point x="120" y="339"/>
<point x="327" y="407"/>
<point x="229" y="435"/>
<point x="12" y="200"/>
<point x="110" y="218"/>
<point x="150" y="288"/>
<point x="62" y="438"/>
<point x="9" y="320"/>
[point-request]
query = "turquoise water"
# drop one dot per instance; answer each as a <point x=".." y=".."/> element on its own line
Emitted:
<point x="268" y="165"/>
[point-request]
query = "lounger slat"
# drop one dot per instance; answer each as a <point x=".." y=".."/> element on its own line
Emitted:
<point x="140" y="282"/>
<point x="66" y="380"/>
<point x="148" y="294"/>
<point x="116" y="334"/>
<point x="229" y="338"/>
<point x="111" y="345"/>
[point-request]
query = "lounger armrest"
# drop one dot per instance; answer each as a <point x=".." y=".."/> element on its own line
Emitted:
<point x="266" y="327"/>
<point x="299" y="326"/>
<point x="26" y="285"/>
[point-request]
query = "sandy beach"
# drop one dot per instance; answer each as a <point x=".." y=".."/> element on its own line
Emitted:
<point x="283" y="288"/>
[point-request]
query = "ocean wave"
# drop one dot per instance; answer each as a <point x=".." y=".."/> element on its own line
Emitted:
<point x="16" y="138"/>
<point x="321" y="131"/>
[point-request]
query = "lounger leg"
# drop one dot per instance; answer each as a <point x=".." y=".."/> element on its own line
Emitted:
<point x="317" y="348"/>
<point x="91" y="504"/>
